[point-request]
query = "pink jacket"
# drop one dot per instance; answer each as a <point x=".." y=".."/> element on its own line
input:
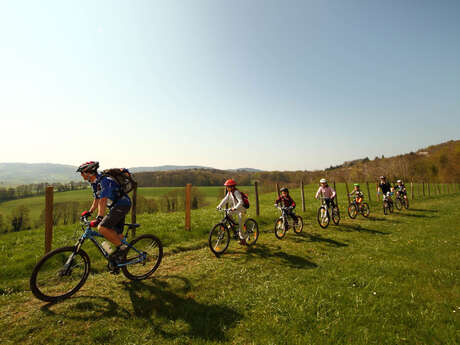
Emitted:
<point x="327" y="192"/>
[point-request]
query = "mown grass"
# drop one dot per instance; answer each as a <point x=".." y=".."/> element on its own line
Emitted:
<point x="383" y="280"/>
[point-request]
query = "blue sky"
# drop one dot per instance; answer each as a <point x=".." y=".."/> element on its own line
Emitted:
<point x="279" y="85"/>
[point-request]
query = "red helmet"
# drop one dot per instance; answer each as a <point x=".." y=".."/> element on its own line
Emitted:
<point x="88" y="167"/>
<point x="230" y="183"/>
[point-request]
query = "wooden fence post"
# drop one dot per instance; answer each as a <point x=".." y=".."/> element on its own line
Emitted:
<point x="368" y="192"/>
<point x="423" y="188"/>
<point x="133" y="211"/>
<point x="428" y="187"/>
<point x="348" y="191"/>
<point x="412" y="190"/>
<point x="256" y="187"/>
<point x="48" y="218"/>
<point x="278" y="190"/>
<point x="188" y="199"/>
<point x="336" y="198"/>
<point x="302" y="195"/>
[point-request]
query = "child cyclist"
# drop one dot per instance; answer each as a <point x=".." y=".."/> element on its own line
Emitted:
<point x="400" y="189"/>
<point x="326" y="191"/>
<point x="359" y="196"/>
<point x="286" y="201"/>
<point x="237" y="205"/>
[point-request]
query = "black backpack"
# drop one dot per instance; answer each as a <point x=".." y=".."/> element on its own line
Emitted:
<point x="123" y="177"/>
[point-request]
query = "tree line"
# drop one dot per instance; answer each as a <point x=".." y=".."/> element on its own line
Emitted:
<point x="35" y="189"/>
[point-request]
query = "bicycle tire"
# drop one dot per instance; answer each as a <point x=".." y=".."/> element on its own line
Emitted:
<point x="216" y="249"/>
<point x="406" y="204"/>
<point x="45" y="296"/>
<point x="251" y="231"/>
<point x="280" y="231"/>
<point x="320" y="217"/>
<point x="158" y="256"/>
<point x="365" y="209"/>
<point x="386" y="208"/>
<point x="335" y="215"/>
<point x="298" y="229"/>
<point x="398" y="204"/>
<point x="352" y="211"/>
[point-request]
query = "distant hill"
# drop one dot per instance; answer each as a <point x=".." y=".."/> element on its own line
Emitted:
<point x="25" y="173"/>
<point x="12" y="174"/>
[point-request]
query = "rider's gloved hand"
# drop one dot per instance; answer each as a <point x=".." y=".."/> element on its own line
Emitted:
<point x="95" y="223"/>
<point x="85" y="214"/>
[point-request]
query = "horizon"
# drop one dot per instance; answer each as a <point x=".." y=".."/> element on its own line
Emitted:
<point x="269" y="85"/>
<point x="241" y="168"/>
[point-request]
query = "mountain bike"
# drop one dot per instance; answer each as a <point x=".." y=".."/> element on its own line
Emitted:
<point x="63" y="271"/>
<point x="388" y="206"/>
<point x="356" y="207"/>
<point x="282" y="223"/>
<point x="401" y="201"/>
<point x="325" y="214"/>
<point x="219" y="236"/>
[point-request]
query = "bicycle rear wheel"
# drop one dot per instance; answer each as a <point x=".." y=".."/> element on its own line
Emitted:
<point x="58" y="275"/>
<point x="323" y="217"/>
<point x="219" y="238"/>
<point x="352" y="211"/>
<point x="251" y="231"/>
<point x="335" y="215"/>
<point x="149" y="258"/>
<point x="299" y="226"/>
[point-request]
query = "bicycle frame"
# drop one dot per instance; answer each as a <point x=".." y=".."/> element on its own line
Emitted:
<point x="91" y="235"/>
<point x="228" y="220"/>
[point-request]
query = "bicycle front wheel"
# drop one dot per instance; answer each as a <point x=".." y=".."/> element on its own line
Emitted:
<point x="323" y="217"/>
<point x="352" y="211"/>
<point x="335" y="215"/>
<point x="406" y="203"/>
<point x="219" y="238"/>
<point x="365" y="210"/>
<point x="398" y="204"/>
<point x="143" y="258"/>
<point x="280" y="231"/>
<point x="298" y="227"/>
<point x="59" y="274"/>
<point x="251" y="231"/>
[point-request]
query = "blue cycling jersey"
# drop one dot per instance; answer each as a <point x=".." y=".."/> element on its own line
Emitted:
<point x="106" y="187"/>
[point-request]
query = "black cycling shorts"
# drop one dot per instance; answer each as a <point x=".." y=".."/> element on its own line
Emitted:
<point x="115" y="219"/>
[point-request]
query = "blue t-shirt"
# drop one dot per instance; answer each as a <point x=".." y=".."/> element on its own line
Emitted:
<point x="106" y="187"/>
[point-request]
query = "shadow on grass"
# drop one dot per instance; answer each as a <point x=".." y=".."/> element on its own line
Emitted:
<point x="382" y="219"/>
<point x="266" y="252"/>
<point x="422" y="210"/>
<point x="361" y="229"/>
<point x="415" y="215"/>
<point x="160" y="302"/>
<point x="86" y="308"/>
<point x="316" y="238"/>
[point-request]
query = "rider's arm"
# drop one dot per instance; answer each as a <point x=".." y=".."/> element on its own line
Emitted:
<point x="333" y="193"/>
<point x="102" y="204"/>
<point x="224" y="200"/>
<point x="239" y="199"/>
<point x="94" y="205"/>
<point x="317" y="193"/>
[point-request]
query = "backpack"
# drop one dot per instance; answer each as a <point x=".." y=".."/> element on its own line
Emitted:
<point x="245" y="198"/>
<point x="123" y="177"/>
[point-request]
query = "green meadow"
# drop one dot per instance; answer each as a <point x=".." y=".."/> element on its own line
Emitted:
<point x="382" y="280"/>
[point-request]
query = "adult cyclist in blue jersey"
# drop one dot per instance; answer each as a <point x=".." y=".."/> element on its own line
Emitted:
<point x="107" y="194"/>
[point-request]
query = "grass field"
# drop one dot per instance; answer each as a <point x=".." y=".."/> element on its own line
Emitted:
<point x="382" y="280"/>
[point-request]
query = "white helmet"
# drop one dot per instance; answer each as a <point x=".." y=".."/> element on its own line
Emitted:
<point x="399" y="181"/>
<point x="323" y="180"/>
